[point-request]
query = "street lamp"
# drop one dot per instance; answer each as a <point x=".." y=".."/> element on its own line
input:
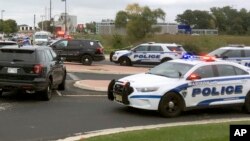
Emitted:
<point x="65" y="17"/>
<point x="2" y="14"/>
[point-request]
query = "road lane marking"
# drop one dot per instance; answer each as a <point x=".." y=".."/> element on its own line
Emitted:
<point x="85" y="95"/>
<point x="58" y="93"/>
<point x="73" y="76"/>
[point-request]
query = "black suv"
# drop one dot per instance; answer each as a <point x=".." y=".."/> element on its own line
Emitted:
<point x="31" y="69"/>
<point x="84" y="51"/>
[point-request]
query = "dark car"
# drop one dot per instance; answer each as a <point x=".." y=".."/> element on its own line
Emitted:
<point x="84" y="51"/>
<point x="32" y="70"/>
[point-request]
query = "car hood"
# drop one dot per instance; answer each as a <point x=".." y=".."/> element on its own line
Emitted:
<point x="146" y="80"/>
<point x="122" y="51"/>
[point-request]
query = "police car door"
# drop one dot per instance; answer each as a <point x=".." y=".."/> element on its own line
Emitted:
<point x="233" y="55"/>
<point x="245" y="60"/>
<point x="219" y="84"/>
<point x="140" y="54"/>
<point x="154" y="53"/>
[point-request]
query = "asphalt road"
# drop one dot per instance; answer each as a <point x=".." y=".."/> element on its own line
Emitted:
<point x="76" y="111"/>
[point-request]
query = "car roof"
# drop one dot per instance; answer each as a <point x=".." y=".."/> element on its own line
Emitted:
<point x="200" y="62"/>
<point x="28" y="47"/>
<point x="3" y="41"/>
<point x="162" y="44"/>
<point x="236" y="48"/>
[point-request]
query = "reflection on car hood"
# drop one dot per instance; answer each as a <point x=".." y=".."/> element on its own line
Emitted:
<point x="123" y="51"/>
<point x="145" y="79"/>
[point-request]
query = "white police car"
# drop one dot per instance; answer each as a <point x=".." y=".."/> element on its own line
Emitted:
<point x="148" y="53"/>
<point x="234" y="53"/>
<point x="178" y="85"/>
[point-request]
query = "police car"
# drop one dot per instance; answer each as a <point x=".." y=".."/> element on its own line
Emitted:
<point x="148" y="53"/>
<point x="182" y="84"/>
<point x="233" y="53"/>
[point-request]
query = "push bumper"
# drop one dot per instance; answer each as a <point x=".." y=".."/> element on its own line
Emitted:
<point x="119" y="91"/>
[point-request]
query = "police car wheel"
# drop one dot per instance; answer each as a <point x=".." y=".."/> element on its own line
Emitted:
<point x="86" y="60"/>
<point x="171" y="105"/>
<point x="165" y="60"/>
<point x="247" y="103"/>
<point x="110" y="56"/>
<point x="124" y="61"/>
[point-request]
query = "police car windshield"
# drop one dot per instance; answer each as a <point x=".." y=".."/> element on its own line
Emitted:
<point x="171" y="69"/>
<point x="217" y="53"/>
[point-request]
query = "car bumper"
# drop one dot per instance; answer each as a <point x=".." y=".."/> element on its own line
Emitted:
<point x="98" y="57"/>
<point x="37" y="85"/>
<point x="126" y="95"/>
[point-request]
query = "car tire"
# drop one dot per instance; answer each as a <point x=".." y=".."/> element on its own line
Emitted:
<point x="1" y="93"/>
<point x="124" y="61"/>
<point x="110" y="56"/>
<point x="165" y="60"/>
<point x="86" y="60"/>
<point x="171" y="105"/>
<point x="247" y="103"/>
<point x="47" y="93"/>
<point x="62" y="85"/>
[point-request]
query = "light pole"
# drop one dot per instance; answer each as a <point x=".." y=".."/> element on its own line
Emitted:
<point x="42" y="16"/>
<point x="65" y="17"/>
<point x="2" y="14"/>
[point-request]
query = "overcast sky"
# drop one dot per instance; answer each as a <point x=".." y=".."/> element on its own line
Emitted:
<point x="23" y="11"/>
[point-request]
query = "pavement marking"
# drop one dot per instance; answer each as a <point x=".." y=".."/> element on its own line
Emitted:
<point x="85" y="95"/>
<point x="5" y="106"/>
<point x="90" y="134"/>
<point x="73" y="76"/>
<point x="58" y="93"/>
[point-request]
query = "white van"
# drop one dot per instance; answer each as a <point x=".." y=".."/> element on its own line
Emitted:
<point x="41" y="38"/>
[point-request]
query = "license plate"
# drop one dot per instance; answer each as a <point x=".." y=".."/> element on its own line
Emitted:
<point x="12" y="70"/>
<point x="118" y="98"/>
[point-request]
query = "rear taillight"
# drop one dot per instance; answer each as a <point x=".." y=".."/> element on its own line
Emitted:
<point x="99" y="50"/>
<point x="38" y="68"/>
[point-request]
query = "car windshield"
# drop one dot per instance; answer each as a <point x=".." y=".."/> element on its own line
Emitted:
<point x="217" y="53"/>
<point x="171" y="69"/>
<point x="41" y="36"/>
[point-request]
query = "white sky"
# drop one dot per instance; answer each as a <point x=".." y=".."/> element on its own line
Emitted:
<point x="23" y="11"/>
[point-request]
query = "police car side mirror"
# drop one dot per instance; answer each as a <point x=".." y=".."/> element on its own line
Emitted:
<point x="194" y="77"/>
<point x="224" y="57"/>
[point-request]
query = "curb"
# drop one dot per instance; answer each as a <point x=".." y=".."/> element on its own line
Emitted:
<point x="126" y="129"/>
<point x="85" y="86"/>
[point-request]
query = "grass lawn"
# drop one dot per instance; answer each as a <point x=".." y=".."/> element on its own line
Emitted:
<point x="204" y="132"/>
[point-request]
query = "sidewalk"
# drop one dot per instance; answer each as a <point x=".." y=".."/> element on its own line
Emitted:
<point x="100" y="85"/>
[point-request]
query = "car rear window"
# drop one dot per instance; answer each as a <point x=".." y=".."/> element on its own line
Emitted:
<point x="95" y="44"/>
<point x="17" y="55"/>
<point x="177" y="48"/>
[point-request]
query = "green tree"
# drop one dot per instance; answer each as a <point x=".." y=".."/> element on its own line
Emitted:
<point x="121" y="19"/>
<point x="138" y="20"/>
<point x="196" y="19"/>
<point x="91" y="27"/>
<point x="8" y="26"/>
<point x="231" y="21"/>
<point x="46" y="25"/>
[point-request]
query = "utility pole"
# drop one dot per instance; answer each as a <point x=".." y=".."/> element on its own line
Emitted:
<point x="50" y="13"/>
<point x="65" y="16"/>
<point x="34" y="22"/>
<point x="2" y="14"/>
